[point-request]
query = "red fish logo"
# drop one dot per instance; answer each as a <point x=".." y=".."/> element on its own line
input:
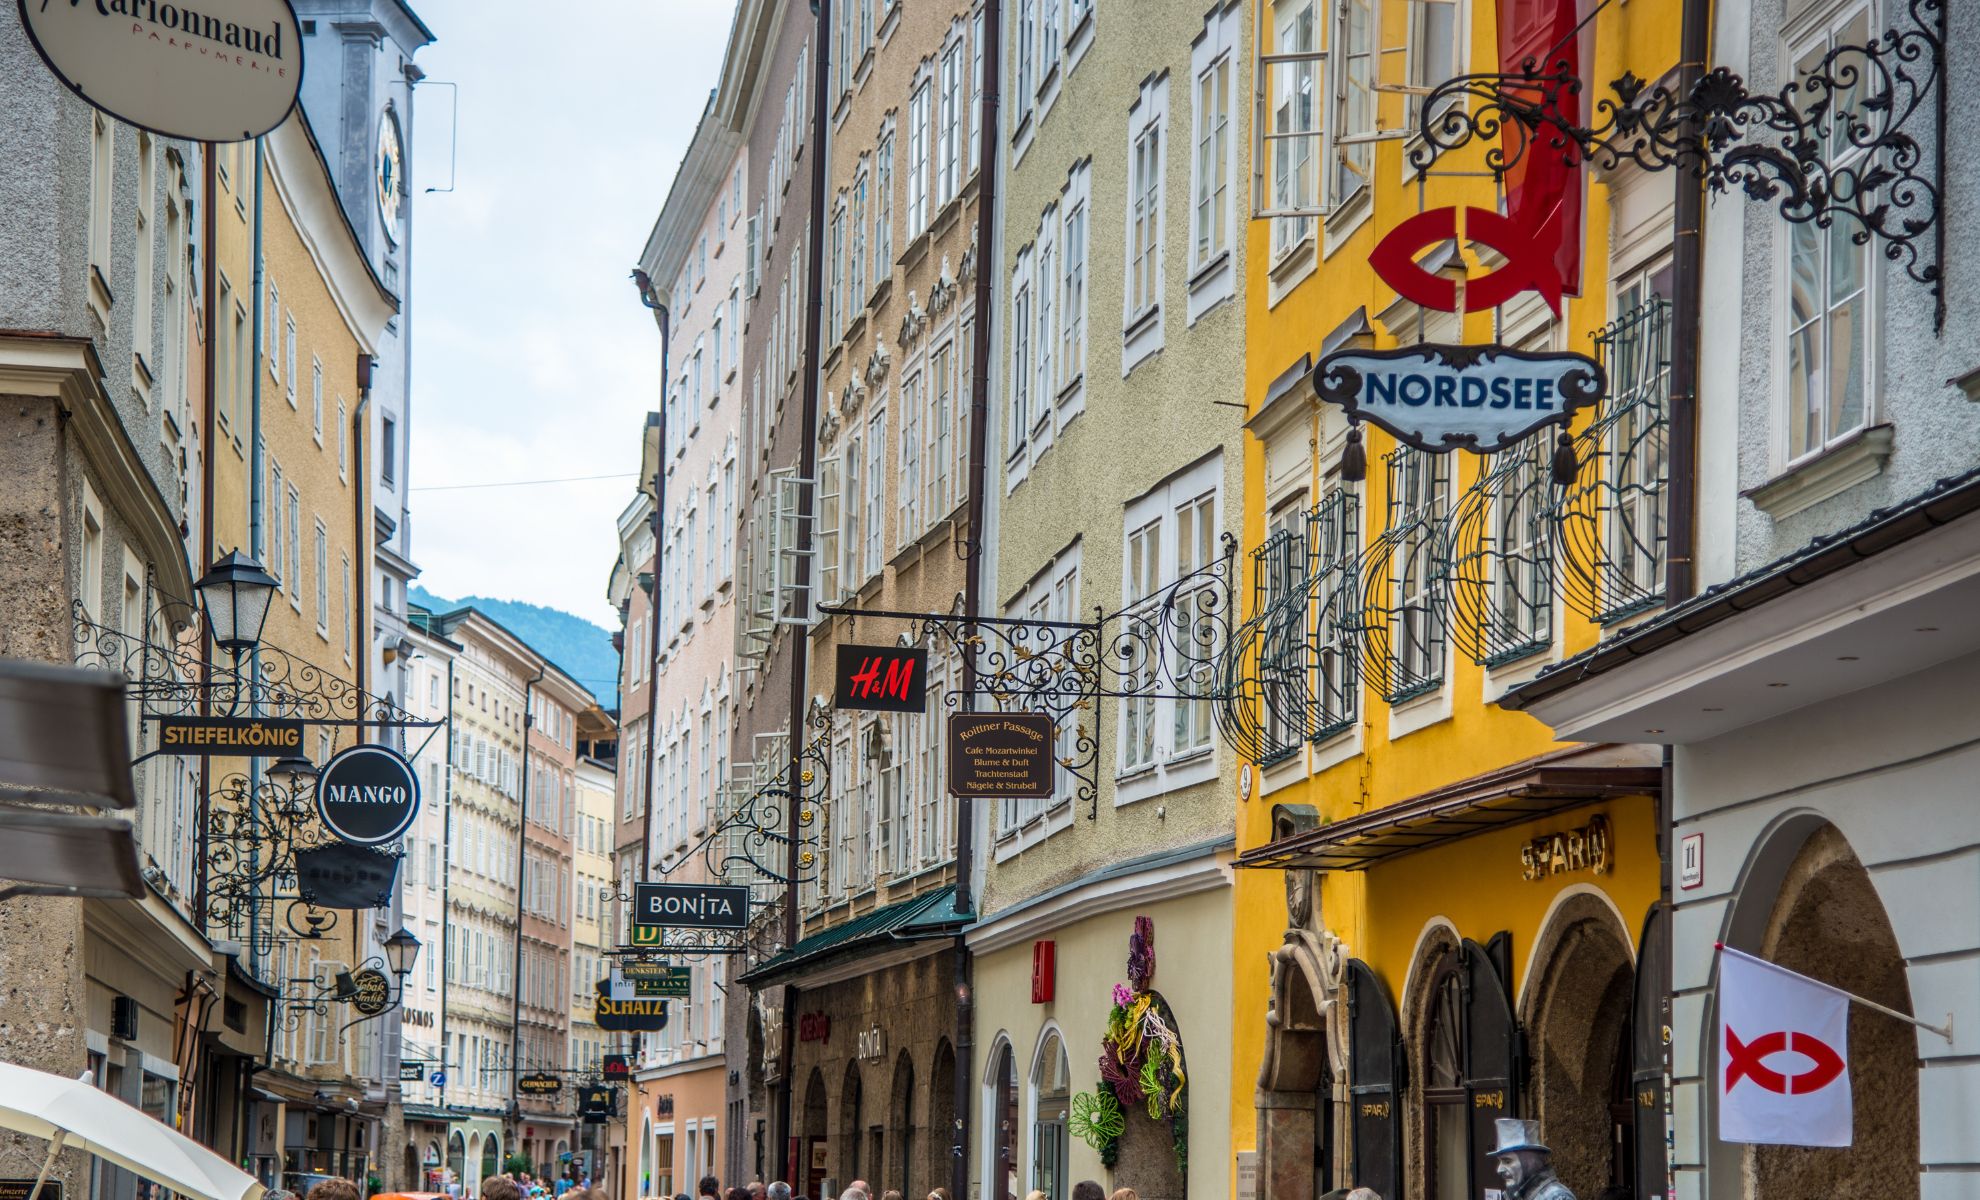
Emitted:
<point x="1748" y="1060"/>
<point x="1528" y="263"/>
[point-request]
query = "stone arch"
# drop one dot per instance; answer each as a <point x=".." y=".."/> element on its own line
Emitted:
<point x="1575" y="1006"/>
<point x="852" y="1125"/>
<point x="1002" y="1120"/>
<point x="457" y="1157"/>
<point x="1807" y="902"/>
<point x="1438" y="939"/>
<point x="414" y="1181"/>
<point x="941" y="1139"/>
<point x="1047" y="1086"/>
<point x="1299" y="1147"/>
<point x="814" y="1123"/>
<point x="902" y="1148"/>
<point x="1147" y="1161"/>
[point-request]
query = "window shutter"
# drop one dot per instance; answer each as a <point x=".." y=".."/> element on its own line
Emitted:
<point x="1491" y="1051"/>
<point x="1375" y="1082"/>
<point x="826" y="533"/>
<point x="1647" y="1021"/>
<point x="751" y="252"/>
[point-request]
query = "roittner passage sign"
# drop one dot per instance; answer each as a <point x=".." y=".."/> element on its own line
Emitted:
<point x="691" y="905"/>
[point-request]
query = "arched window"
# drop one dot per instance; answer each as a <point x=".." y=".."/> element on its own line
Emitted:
<point x="1445" y="1118"/>
<point x="1051" y="1104"/>
<point x="1002" y="1120"/>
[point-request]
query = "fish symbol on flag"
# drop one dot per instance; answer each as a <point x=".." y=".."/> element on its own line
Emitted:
<point x="1783" y="1056"/>
<point x="1527" y="265"/>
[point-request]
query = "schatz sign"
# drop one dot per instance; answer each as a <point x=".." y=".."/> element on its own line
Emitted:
<point x="1478" y="398"/>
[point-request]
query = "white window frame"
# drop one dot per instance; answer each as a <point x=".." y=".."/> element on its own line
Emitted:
<point x="1213" y="148"/>
<point x="1169" y="510"/>
<point x="1051" y="594"/>
<point x="1146" y="223"/>
<point x="1291" y="198"/>
<point x="920" y="103"/>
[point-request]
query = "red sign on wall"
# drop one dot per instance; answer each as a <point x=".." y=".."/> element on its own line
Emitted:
<point x="882" y="678"/>
<point x="1044" y="971"/>
<point x="815" y="1027"/>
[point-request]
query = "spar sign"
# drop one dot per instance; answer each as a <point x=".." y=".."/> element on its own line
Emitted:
<point x="1441" y="397"/>
<point x="204" y="70"/>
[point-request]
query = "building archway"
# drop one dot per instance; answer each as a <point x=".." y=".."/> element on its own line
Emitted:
<point x="457" y="1159"/>
<point x="1297" y="1138"/>
<point x="901" y="1162"/>
<point x="1001" y="1117"/>
<point x="852" y="1128"/>
<point x="1147" y="1160"/>
<point x="1576" y="1011"/>
<point x="1809" y="905"/>
<point x="1424" y="1030"/>
<point x="413" y="1181"/>
<point x="814" y="1141"/>
<point x="941" y="1139"/>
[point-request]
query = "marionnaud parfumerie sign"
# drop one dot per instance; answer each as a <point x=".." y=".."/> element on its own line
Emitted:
<point x="367" y="795"/>
<point x="691" y="905"/>
<point x="205" y="70"/>
<point x="1479" y="398"/>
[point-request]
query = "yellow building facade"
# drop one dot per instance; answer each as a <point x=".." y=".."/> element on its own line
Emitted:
<point x="1443" y="917"/>
<point x="288" y="341"/>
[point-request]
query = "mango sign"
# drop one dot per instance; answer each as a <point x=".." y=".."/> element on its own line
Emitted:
<point x="204" y="70"/>
<point x="1478" y="398"/>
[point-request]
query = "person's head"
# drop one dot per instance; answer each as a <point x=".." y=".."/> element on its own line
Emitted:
<point x="778" y="1191"/>
<point x="709" y="1186"/>
<point x="1125" y="1194"/>
<point x="736" y="1193"/>
<point x="1517" y="1166"/>
<point x="1363" y="1194"/>
<point x="335" y="1189"/>
<point x="940" y="1193"/>
<point x="495" y="1187"/>
<point x="890" y="1194"/>
<point x="1035" y="1194"/>
<point x="756" y="1190"/>
<point x="1086" y="1189"/>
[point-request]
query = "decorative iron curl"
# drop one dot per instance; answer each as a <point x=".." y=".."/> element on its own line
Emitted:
<point x="1831" y="144"/>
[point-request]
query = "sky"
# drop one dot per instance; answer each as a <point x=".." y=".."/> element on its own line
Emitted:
<point x="532" y="357"/>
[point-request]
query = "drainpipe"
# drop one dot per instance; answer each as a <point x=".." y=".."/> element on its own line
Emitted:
<point x="987" y="269"/>
<point x="814" y="256"/>
<point x="257" y="516"/>
<point x="209" y="427"/>
<point x="360" y="575"/>
<point x="522" y="890"/>
<point x="446" y="889"/>
<point x="1680" y="571"/>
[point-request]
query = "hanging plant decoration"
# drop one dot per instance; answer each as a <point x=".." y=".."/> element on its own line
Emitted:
<point x="1097" y="1118"/>
<point x="1141" y="1059"/>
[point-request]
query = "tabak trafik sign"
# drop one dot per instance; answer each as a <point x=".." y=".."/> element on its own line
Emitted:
<point x="204" y="70"/>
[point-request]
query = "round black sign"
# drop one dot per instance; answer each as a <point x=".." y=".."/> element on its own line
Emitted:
<point x="367" y="795"/>
<point x="374" y="992"/>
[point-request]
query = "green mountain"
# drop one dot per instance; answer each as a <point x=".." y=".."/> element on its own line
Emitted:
<point x="580" y="649"/>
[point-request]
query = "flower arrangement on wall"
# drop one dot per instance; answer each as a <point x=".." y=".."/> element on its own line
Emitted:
<point x="1141" y="1062"/>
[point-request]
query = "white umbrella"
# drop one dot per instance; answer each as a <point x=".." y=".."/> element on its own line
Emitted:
<point x="72" y="1112"/>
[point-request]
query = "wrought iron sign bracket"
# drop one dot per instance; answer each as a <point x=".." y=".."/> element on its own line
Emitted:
<point x="1832" y="144"/>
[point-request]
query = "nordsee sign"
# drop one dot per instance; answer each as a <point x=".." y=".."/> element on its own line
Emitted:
<point x="204" y="70"/>
<point x="1478" y="398"/>
<point x="367" y="795"/>
<point x="691" y="905"/>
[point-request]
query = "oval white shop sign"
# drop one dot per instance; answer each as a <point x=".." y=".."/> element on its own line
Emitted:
<point x="206" y="70"/>
<point x="1480" y="398"/>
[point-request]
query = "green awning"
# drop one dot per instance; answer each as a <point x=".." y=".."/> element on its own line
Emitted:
<point x="931" y="915"/>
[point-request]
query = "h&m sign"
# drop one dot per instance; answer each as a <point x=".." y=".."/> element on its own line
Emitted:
<point x="882" y="679"/>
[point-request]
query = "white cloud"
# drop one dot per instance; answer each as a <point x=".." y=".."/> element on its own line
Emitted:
<point x="532" y="357"/>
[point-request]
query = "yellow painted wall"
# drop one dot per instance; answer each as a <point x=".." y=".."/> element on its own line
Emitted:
<point x="1476" y="881"/>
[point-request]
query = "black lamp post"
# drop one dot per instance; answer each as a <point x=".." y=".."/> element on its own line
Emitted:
<point x="236" y="594"/>
<point x="401" y="952"/>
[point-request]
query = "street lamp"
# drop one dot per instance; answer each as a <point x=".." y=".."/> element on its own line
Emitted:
<point x="291" y="771"/>
<point x="401" y="952"/>
<point x="236" y="594"/>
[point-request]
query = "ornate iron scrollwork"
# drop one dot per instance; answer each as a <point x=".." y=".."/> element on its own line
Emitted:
<point x="1402" y="617"/>
<point x="1830" y="145"/>
<point x="1498" y="556"/>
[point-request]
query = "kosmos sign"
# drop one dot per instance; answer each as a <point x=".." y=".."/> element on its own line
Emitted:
<point x="205" y="70"/>
<point x="367" y="795"/>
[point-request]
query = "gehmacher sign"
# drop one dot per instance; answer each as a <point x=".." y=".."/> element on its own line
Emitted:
<point x="204" y="70"/>
<point x="1479" y="398"/>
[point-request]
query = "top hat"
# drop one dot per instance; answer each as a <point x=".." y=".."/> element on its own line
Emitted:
<point x="1515" y="1134"/>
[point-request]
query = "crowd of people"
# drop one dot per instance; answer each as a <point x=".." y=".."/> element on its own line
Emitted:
<point x="710" y="1188"/>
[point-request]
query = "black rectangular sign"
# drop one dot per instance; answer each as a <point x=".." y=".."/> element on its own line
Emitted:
<point x="412" y="1072"/>
<point x="617" y="1067"/>
<point x="247" y="737"/>
<point x="691" y="905"/>
<point x="19" y="1189"/>
<point x="882" y="679"/>
<point x="540" y="1084"/>
<point x="597" y="1101"/>
<point x="994" y="755"/>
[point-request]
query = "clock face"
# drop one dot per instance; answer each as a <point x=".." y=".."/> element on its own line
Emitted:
<point x="389" y="168"/>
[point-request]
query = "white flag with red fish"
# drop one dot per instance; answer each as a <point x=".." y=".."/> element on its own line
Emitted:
<point x="1783" y="1056"/>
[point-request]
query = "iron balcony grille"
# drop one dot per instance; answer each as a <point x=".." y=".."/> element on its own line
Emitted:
<point x="1333" y="540"/>
<point x="1402" y="619"/>
<point x="1498" y="557"/>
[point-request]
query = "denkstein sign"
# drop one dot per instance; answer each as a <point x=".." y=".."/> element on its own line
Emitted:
<point x="204" y="70"/>
<point x="1477" y="398"/>
<point x="367" y="795"/>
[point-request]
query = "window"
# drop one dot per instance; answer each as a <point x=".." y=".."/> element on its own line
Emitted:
<point x="908" y="501"/>
<point x="344" y="608"/>
<point x="316" y="398"/>
<point x="1435" y="50"/>
<point x="949" y="145"/>
<point x="972" y="119"/>
<point x="1026" y="37"/>
<point x="271" y="329"/>
<point x="942" y="409"/>
<point x="1051" y="1105"/>
<point x="1044" y="343"/>
<point x="102" y="188"/>
<point x="857" y="276"/>
<point x="883" y="210"/>
<point x="90" y="582"/>
<point x="1172" y="534"/>
<point x="1289" y="142"/>
<point x="277" y="560"/>
<point x="147" y="185"/>
<point x="1418" y="505"/>
<point x="874" y="505"/>
<point x="1828" y="292"/>
<point x="1144" y="215"/>
<point x="1021" y="361"/>
<point x="917" y="181"/>
<point x="835" y="297"/>
<point x="1446" y="1111"/>
<point x="1050" y="595"/>
<point x="322" y="582"/>
<point x="289" y="359"/>
<point x="1354" y="97"/>
<point x="715" y="360"/>
<point x="1072" y="281"/>
<point x="343" y="442"/>
<point x="831" y="521"/>
<point x="728" y="518"/>
<point x="1211" y="167"/>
